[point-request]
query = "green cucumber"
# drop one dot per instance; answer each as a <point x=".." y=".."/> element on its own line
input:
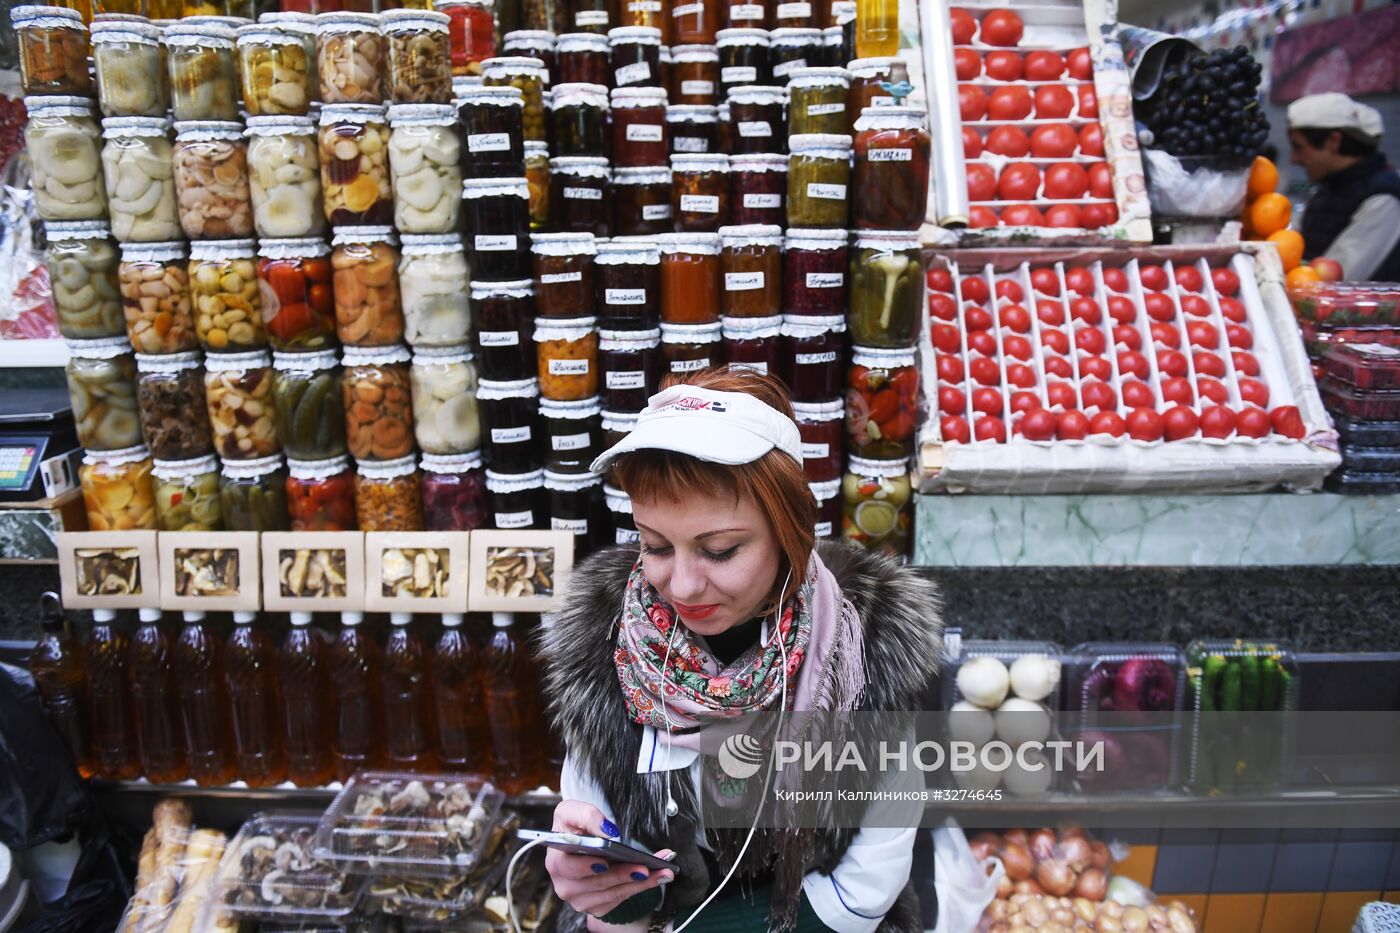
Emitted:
<point x="1210" y="681"/>
<point x="1249" y="684"/>
<point x="1231" y="686"/>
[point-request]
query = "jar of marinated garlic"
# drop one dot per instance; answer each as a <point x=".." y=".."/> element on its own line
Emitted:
<point x="388" y="495"/>
<point x="294" y="278"/>
<point x="253" y="495"/>
<point x="203" y="79"/>
<point x="567" y="354"/>
<point x="354" y="146"/>
<point x="378" y="402"/>
<point x="52" y="50"/>
<point x="156" y="297"/>
<point x="350" y="58"/>
<point x="117" y="490"/>
<point x="187" y="495"/>
<point x="425" y="165"/>
<point x="284" y="177"/>
<point x="276" y="72"/>
<point x="365" y="284"/>
<point x="420" y="56"/>
<point x="65" y="164"/>
<point x="238" y="389"/>
<point x="211" y="180"/>
<point x="130" y="65"/>
<point x="227" y="301"/>
<point x="445" y="416"/>
<point x="170" y="399"/>
<point x="527" y="74"/>
<point x="306" y="394"/>
<point x="136" y="171"/>
<point x="102" y="387"/>
<point x="82" y="262"/>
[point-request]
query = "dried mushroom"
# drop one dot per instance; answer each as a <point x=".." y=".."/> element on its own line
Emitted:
<point x="275" y="868"/>
<point x="410" y="821"/>
<point x="416" y="572"/>
<point x="519" y="571"/>
<point x="307" y="572"/>
<point x="108" y="571"/>
<point x="206" y="572"/>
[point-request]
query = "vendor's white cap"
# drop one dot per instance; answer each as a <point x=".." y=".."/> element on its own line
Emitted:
<point x="1336" y="111"/>
<point x="720" y="427"/>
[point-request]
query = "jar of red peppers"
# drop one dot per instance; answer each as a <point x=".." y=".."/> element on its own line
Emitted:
<point x="631" y="364"/>
<point x="471" y="28"/>
<point x="579" y="120"/>
<point x="578" y="201"/>
<point x="454" y="492"/>
<point x="364" y="264"/>
<point x="696" y="74"/>
<point x="753" y="343"/>
<point x="641" y="201"/>
<point x="624" y="529"/>
<point x="517" y="500"/>
<point x="828" y="496"/>
<point x="751" y="262"/>
<point x="354" y="151"/>
<point x="510" y="424"/>
<point x="690" y="278"/>
<point x="504" y="312"/>
<point x="758" y="189"/>
<point x="814" y="272"/>
<point x="492" y="132"/>
<point x="638" y="126"/>
<point x="298" y="305"/>
<point x="321" y="495"/>
<point x="757" y="116"/>
<point x="576" y="506"/>
<point x="743" y="58"/>
<point x="823" y="429"/>
<point x="573" y="434"/>
<point x="567" y="354"/>
<point x="636" y="56"/>
<point x="628" y="279"/>
<point x="867" y="76"/>
<point x="882" y="402"/>
<point x="583" y="59"/>
<point x="815" y="352"/>
<point x="563" y="273"/>
<point x="388" y="496"/>
<point x="689" y="348"/>
<point x="699" y="192"/>
<point x="892" y="161"/>
<point x="817" y="101"/>
<point x="692" y="129"/>
<point x="378" y="402"/>
<point x="498" y="226"/>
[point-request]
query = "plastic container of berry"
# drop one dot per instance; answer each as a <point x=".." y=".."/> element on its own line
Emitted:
<point x="1366" y="404"/>
<point x="1367" y="366"/>
<point x="1355" y="431"/>
<point x="1352" y="482"/>
<point x="1371" y="459"/>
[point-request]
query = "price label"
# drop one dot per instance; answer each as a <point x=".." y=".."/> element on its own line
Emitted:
<point x="643" y="133"/>
<point x="742" y="281"/>
<point x="578" y="526"/>
<point x="510" y="435"/>
<point x="821" y="110"/>
<point x="825" y="279"/>
<point x="688" y="366"/>
<point x="656" y="211"/>
<point x="784" y="68"/>
<point x="700" y="203"/>
<point x="890" y="155"/>
<point x="763" y="200"/>
<point x="691" y="144"/>
<point x="494" y="244"/>
<point x="794" y="10"/>
<point x="626" y="380"/>
<point x="569" y="442"/>
<point x="568" y="367"/>
<point x="488" y="142"/>
<point x="816" y="359"/>
<point x="687" y="9"/>
<point x="559" y="278"/>
<point x="591" y="18"/>
<point x="515" y="519"/>
<point x="815" y="451"/>
<point x="625" y="296"/>
<point x="827" y="192"/>
<point x="745" y="11"/>
<point x="697" y="88"/>
<point x="583" y="194"/>
<point x="499" y="338"/>
<point x="823" y="529"/>
<point x="627" y="536"/>
<point x="635" y="73"/>
<point x="753" y="128"/>
<point x="739" y="74"/>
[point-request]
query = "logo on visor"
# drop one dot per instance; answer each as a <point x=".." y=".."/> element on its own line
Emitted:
<point x="693" y="403"/>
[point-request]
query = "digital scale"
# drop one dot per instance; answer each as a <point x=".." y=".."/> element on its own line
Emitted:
<point x="39" y="452"/>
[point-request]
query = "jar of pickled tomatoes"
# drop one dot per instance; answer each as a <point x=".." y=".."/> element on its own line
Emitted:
<point x="298" y="306"/>
<point x="321" y="495"/>
<point x="882" y="402"/>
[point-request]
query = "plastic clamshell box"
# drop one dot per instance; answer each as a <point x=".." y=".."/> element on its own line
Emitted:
<point x="1353" y="482"/>
<point x="1340" y="303"/>
<point x="408" y="898"/>
<point x="1365" y="433"/>
<point x="1358" y="459"/>
<point x="1233" y="753"/>
<point x="1355" y="403"/>
<point x="1365" y="365"/>
<point x="1006" y="652"/>
<point x="318" y="892"/>
<point x="1094" y="665"/>
<point x="1263" y="652"/>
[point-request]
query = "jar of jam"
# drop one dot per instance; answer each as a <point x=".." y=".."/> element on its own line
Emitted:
<point x="355" y="183"/>
<point x="425" y="167"/>
<point x="636" y="51"/>
<point x="579" y="120"/>
<point x="155" y="288"/>
<point x="867" y="74"/>
<point x="798" y="14"/>
<point x="388" y="496"/>
<point x="130" y="65"/>
<point x="170" y="398"/>
<point x="690" y="278"/>
<point x="694" y="22"/>
<point x="498" y="227"/>
<point x="510" y="412"/>
<point x="203" y="75"/>
<point x="136" y="160"/>
<point x="576" y="506"/>
<point x="573" y="434"/>
<point x="741" y="14"/>
<point x="583" y="59"/>
<point x="567" y="355"/>
<point x="758" y="189"/>
<point x="351" y="55"/>
<point x="578" y="195"/>
<point x="689" y="348"/>
<point x="877" y="510"/>
<point x="700" y="192"/>
<point x="433" y="282"/>
<point x="617" y="425"/>
<point x="692" y="129"/>
<point x="306" y="395"/>
<point x="793" y="49"/>
<point x="537" y="179"/>
<point x="537" y="41"/>
<point x="695" y="80"/>
<point x="641" y="201"/>
<point x="471" y="30"/>
<point x="726" y="129"/>
<point x="65" y="149"/>
<point x="445" y="416"/>
<point x="886" y="283"/>
<point x="368" y="312"/>
<point x="891" y="174"/>
<point x="823" y="429"/>
<point x="743" y="58"/>
<point x="590" y="17"/>
<point x="53" y="50"/>
<point x="751" y="261"/>
<point x="378" y="403"/>
<point x="819" y="176"/>
<point x="102" y="388"/>
<point x="628" y="273"/>
<point x="284" y="172"/>
<point x="815" y="352"/>
<point x="253" y="495"/>
<point x="187" y="495"/>
<point x="757" y="117"/>
<point x="420" y="57"/>
<point x="753" y="343"/>
<point x="828" y="496"/>
<point x="833" y="47"/>
<point x="624" y="529"/>
<point x="882" y="402"/>
<point x="298" y="307"/>
<point x="321" y="495"/>
<point x="817" y="101"/>
<point x="503" y="312"/>
<point x="492" y="120"/>
<point x="82" y="263"/>
<point x="631" y="365"/>
<point x="517" y="500"/>
<point x="814" y="272"/>
<point x="639" y="127"/>
<point x="528" y="75"/>
<point x="118" y="493"/>
<point x="454" y="492"/>
<point x="563" y="273"/>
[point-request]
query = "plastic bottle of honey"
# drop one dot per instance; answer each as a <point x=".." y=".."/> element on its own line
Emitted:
<point x="409" y="730"/>
<point x="199" y="680"/>
<point x="307" y="704"/>
<point x="115" y="754"/>
<point x="250" y="668"/>
<point x="160" y="734"/>
<point x="464" y="739"/>
<point x="508" y="686"/>
<point x="356" y="671"/>
<point x="57" y="665"/>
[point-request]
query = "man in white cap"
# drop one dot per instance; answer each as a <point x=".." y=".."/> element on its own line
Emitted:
<point x="1354" y="217"/>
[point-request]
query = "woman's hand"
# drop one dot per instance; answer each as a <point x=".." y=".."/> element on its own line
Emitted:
<point x="592" y="885"/>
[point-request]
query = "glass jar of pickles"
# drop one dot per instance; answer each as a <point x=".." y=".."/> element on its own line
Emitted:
<point x="793" y="49"/>
<point x="321" y="495"/>
<point x="65" y="165"/>
<point x="253" y="495"/>
<point x="828" y="496"/>
<point x="226" y="297"/>
<point x="563" y="264"/>
<point x="350" y="58"/>
<point x="578" y="188"/>
<point x="751" y="262"/>
<point x="498" y="224"/>
<point x="692" y="129"/>
<point x="696" y="76"/>
<point x="156" y="297"/>
<point x="882" y="402"/>
<point x="527" y="75"/>
<point x="743" y="58"/>
<point x="211" y="180"/>
<point x="102" y="388"/>
<point x="815" y="351"/>
<point x="52" y="50"/>
<point x="641" y="201"/>
<point x="517" y="500"/>
<point x="295" y="285"/>
<point x="117" y="490"/>
<point x="886" y="289"/>
<point x="753" y="343"/>
<point x="639" y="126"/>
<point x="818" y="101"/>
<point x="867" y="76"/>
<point x="445" y="415"/>
<point x="535" y="40"/>
<point x="354" y="150"/>
<point x="876" y="505"/>
<point x="472" y="30"/>
<point x="284" y="177"/>
<point x="170" y="398"/>
<point x="420" y="63"/>
<point x="425" y="166"/>
<point x="364" y="264"/>
<point x="306" y="396"/>
<point x="503" y="312"/>
<point x="378" y="403"/>
<point x="454" y="492"/>
<point x="136" y="172"/>
<point x="203" y="79"/>
<point x="822" y="426"/>
<point x="700" y="192"/>
<point x="567" y="358"/>
<point x="689" y="348"/>
<point x="758" y="188"/>
<point x="814" y="272"/>
<point x="187" y="495"/>
<point x="537" y="180"/>
<point x="631" y="364"/>
<point x="690" y="278"/>
<point x="819" y="175"/>
<point x="636" y="54"/>
<point x="128" y="59"/>
<point x="576" y="506"/>
<point x="275" y="70"/>
<point x="892" y="165"/>
<point x="573" y="434"/>
<point x="582" y="59"/>
<point x="579" y="120"/>
<point x="624" y="529"/>
<point x="434" y="285"/>
<point x="238" y="389"/>
<point x="756" y="114"/>
<point x="510" y="423"/>
<point x="628" y="272"/>
<point x="82" y="263"/>
<point x="492" y="122"/>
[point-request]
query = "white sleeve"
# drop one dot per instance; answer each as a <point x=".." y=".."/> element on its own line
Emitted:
<point x="1369" y="238"/>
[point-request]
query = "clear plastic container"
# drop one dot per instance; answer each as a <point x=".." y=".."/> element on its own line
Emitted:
<point x="425" y="167"/>
<point x="435" y="287"/>
<point x="284" y="177"/>
<point x="65" y="163"/>
<point x="82" y="261"/>
<point x="130" y="66"/>
<point x="1366" y="366"/>
<point x="269" y="872"/>
<point x="1233" y="754"/>
<point x="1006" y="651"/>
<point x="276" y="71"/>
<point x="227" y="300"/>
<point x="1370" y="405"/>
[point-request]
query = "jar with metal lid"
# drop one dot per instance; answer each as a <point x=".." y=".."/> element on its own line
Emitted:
<point x="52" y="50"/>
<point x="211" y="180"/>
<point x="566" y="352"/>
<point x="882" y="402"/>
<point x="576" y="506"/>
<point x="641" y="201"/>
<point x="743" y="58"/>
<point x="253" y="495"/>
<point x="819" y="178"/>
<point x="695" y="78"/>
<point x="275" y="71"/>
<point x="798" y="14"/>
<point x="517" y="500"/>
<point x="82" y="263"/>
<point x="828" y="496"/>
<point x="631" y="364"/>
<point x="815" y="353"/>
<point x="435" y="286"/>
<point x="354" y="148"/>
<point x="420" y="56"/>
<point x="510" y="424"/>
<point x="493" y="133"/>
<point x="689" y="348"/>
<point x="814" y="272"/>
<point x="378" y="403"/>
<point x="284" y="177"/>
<point x="425" y="167"/>
<point x="156" y="297"/>
<point x="130" y="68"/>
<point x="537" y="41"/>
<point x="822" y="426"/>
<point x="503" y="312"/>
<point x="537" y="180"/>
<point x="445" y="416"/>
<point x="892" y="164"/>
<point x="758" y="189"/>
<point x="350" y="54"/>
<point x="636" y="49"/>
<point x="578" y="195"/>
<point x="692" y="129"/>
<point x="579" y="120"/>
<point x="639" y="127"/>
<point x="65" y="163"/>
<point x="238" y="390"/>
<point x="817" y="101"/>
<point x="170" y="398"/>
<point x="753" y="343"/>
<point x="690" y="278"/>
<point x="321" y="495"/>
<point x="582" y="59"/>
<point x="563" y="273"/>
<point x="527" y="75"/>
<point x="628" y="274"/>
<point x="136" y="172"/>
<point x="364" y="264"/>
<point x="454" y="492"/>
<point x="886" y="289"/>
<point x="624" y="529"/>
<point x="388" y="496"/>
<point x="867" y="76"/>
<point x="751" y="262"/>
<point x="757" y="117"/>
<point x="695" y="22"/>
<point x="498" y="225"/>
<point x="877" y="505"/>
<point x="187" y="495"/>
<point x="306" y="397"/>
<point x="573" y="434"/>
<point x="617" y="425"/>
<point x="118" y="494"/>
<point x="793" y="49"/>
<point x="102" y="387"/>
<point x="203" y="78"/>
<point x="471" y="28"/>
<point x="699" y="192"/>
<point x="298" y="306"/>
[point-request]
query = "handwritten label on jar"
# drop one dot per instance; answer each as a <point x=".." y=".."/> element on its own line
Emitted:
<point x="625" y="296"/>
<point x="746" y="11"/>
<point x="742" y="281"/>
<point x="568" y="367"/>
<point x="643" y="133"/>
<point x="739" y="74"/>
<point x="688" y="366"/>
<point x="656" y="211"/>
<point x="500" y="338"/>
<point x="794" y="10"/>
<point x="627" y="380"/>
<point x="823" y="530"/>
<point x="784" y="68"/>
<point x="752" y="128"/>
<point x="756" y="367"/>
<point x="559" y="278"/>
<point x="825" y="279"/>
<point x="578" y="526"/>
<point x="890" y="155"/>
<point x="583" y="194"/>
<point x="627" y="536"/>
<point x="635" y="73"/>
<point x="515" y="519"/>
<point x="569" y="442"/>
<point x="821" y="110"/>
<point x="494" y="244"/>
<point x="697" y="88"/>
<point x="687" y="9"/>
<point x="488" y="142"/>
<point x="591" y="18"/>
<point x="815" y="359"/>
<point x="882" y="101"/>
<point x="510" y="435"/>
<point x="691" y="144"/>
<point x="700" y="203"/>
<point x="815" y="451"/>
<point x="763" y="200"/>
<point x="829" y="192"/>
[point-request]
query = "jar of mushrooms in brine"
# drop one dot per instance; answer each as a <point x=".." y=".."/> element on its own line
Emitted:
<point x="354" y="148"/>
<point x="238" y="389"/>
<point x="425" y="165"/>
<point x="136" y="170"/>
<point x="203" y="79"/>
<point x="350" y="58"/>
<point x="275" y="70"/>
<point x="82" y="263"/>
<point x="130" y="65"/>
<point x="65" y="165"/>
<point x="227" y="301"/>
<point x="365" y="283"/>
<point x="52" y="50"/>
<point x="445" y="416"/>
<point x="211" y="180"/>
<point x="102" y="387"/>
<point x="435" y="287"/>
<point x="156" y="297"/>
<point x="284" y="177"/>
<point x="420" y="57"/>
<point x="170" y="397"/>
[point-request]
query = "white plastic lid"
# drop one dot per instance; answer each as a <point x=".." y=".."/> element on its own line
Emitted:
<point x="400" y="618"/>
<point x="570" y="482"/>
<point x="317" y="469"/>
<point x="194" y="615"/>
<point x="502" y="619"/>
<point x="395" y="21"/>
<point x="751" y="328"/>
<point x="701" y="244"/>
<point x="529" y="39"/>
<point x="104" y="615"/>
<point x="148" y="614"/>
<point x="570" y="410"/>
<point x="301" y="618"/>
<point x="581" y="42"/>
<point x="351" y="619"/>
<point x="244" y="618"/>
<point x="117" y="457"/>
<point x="473" y="188"/>
<point x="494" y="95"/>
<point x="642" y="175"/>
<point x="690" y="333"/>
<point x="452" y="619"/>
<point x="375" y="356"/>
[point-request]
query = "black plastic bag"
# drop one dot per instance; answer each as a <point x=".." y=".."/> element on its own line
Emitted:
<point x="42" y="796"/>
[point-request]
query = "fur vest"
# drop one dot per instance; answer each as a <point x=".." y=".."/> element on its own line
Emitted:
<point x="902" y="630"/>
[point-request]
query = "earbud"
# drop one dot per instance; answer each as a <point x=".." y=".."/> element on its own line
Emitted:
<point x="671" y="808"/>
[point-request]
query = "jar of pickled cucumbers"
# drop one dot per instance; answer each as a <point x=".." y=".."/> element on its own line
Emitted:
<point x="886" y="289"/>
<point x="102" y="387"/>
<point x="756" y="115"/>
<point x="578" y="195"/>
<point x="420" y="63"/>
<point x="751" y="263"/>
<point x="454" y="492"/>
<point x="435" y="287"/>
<point x="699" y="192"/>
<point x="211" y="180"/>
<point x="636" y="54"/>
<point x="350" y="58"/>
<point x="170" y="398"/>
<point x="137" y="174"/>
<point x="582" y="59"/>
<point x="253" y="495"/>
<point x="284" y="177"/>
<point x="517" y="500"/>
<point x="82" y="263"/>
<point x="471" y="28"/>
<point x="224" y="292"/>
<point x="526" y="74"/>
<point x="877" y="505"/>
<point x="130" y="66"/>
<point x="510" y="415"/>
<point x="892" y="166"/>
<point x="276" y="72"/>
<point x="579" y="120"/>
<point x="388" y="495"/>
<point x="364" y="264"/>
<point x="818" y="101"/>
<point x="117" y="489"/>
<point x="758" y="189"/>
<point x="187" y="494"/>
<point x="445" y="415"/>
<point x="567" y="354"/>
<point x="156" y="297"/>
<point x="819" y="178"/>
<point x="52" y="50"/>
<point x="298" y="307"/>
<point x="882" y="402"/>
<point x="573" y="434"/>
<point x="65" y="165"/>
<point x="238" y="389"/>
<point x="743" y="58"/>
<point x="492" y="132"/>
<point x="828" y="496"/>
<point x="378" y="403"/>
<point x="203" y="79"/>
<point x="306" y="396"/>
<point x="425" y="165"/>
<point x="563" y="265"/>
<point x="354" y="150"/>
<point x="321" y="495"/>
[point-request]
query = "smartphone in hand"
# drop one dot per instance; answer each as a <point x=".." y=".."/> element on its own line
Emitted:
<point x="597" y="847"/>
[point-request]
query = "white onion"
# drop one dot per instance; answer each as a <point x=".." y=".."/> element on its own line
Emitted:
<point x="970" y="723"/>
<point x="1020" y="721"/>
<point x="1024" y="781"/>
<point x="1034" y="677"/>
<point x="984" y="681"/>
<point x="978" y="777"/>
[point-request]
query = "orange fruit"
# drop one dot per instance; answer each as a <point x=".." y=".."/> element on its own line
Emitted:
<point x="1301" y="277"/>
<point x="1270" y="213"/>
<point x="1290" y="247"/>
<point x="1263" y="177"/>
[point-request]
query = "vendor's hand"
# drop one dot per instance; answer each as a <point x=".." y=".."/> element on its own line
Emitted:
<point x="589" y="884"/>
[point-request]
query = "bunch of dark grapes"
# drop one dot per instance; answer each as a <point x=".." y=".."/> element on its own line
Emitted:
<point x="1209" y="106"/>
<point x="12" y="120"/>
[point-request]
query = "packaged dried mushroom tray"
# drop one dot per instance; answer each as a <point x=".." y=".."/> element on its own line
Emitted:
<point x="270" y="872"/>
<point x="413" y="825"/>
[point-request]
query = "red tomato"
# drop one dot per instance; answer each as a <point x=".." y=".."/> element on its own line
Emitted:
<point x="1038" y="425"/>
<point x="1179" y="422"/>
<point x="1127" y="337"/>
<point x="1004" y="66"/>
<point x="1166" y="334"/>
<point x="1099" y="215"/>
<point x="1100" y="180"/>
<point x="1122" y="310"/>
<point x="972" y="143"/>
<point x="1159" y="307"/>
<point x="1088" y="102"/>
<point x="1202" y="334"/>
<point x="974" y="288"/>
<point x="1108" y="423"/>
<point x="1089" y="339"/>
<point x="1019" y="374"/>
<point x="1058" y="366"/>
<point x="984" y="371"/>
<point x="1064" y="216"/>
<point x="949" y="367"/>
<point x="1085" y="310"/>
<point x="976" y="317"/>
<point x="1195" y="305"/>
<point x="1045" y="281"/>
<point x="1233" y="309"/>
<point x="1051" y="313"/>
<point x="1189" y="278"/>
<point x="1015" y="317"/>
<point x="1098" y="395"/>
<point x="1044" y="66"/>
<point x="1137" y="394"/>
<point x="1253" y="422"/>
<point x="1217" y="421"/>
<point x="947" y="338"/>
<point x="1245" y="363"/>
<point x="1017" y="347"/>
<point x="972" y="102"/>
<point x="1288" y="421"/>
<point x="1072" y="425"/>
<point x="1144" y="424"/>
<point x="1081" y="65"/>
<point x="967" y="63"/>
<point x="1171" y="363"/>
<point x="1054" y="339"/>
<point x="979" y="217"/>
<point x="954" y="429"/>
<point x="981" y="182"/>
<point x="1091" y="140"/>
<point x="987" y="401"/>
<point x="1060" y="395"/>
<point x="1116" y="279"/>
<point x="1178" y="391"/>
<point x="1009" y="289"/>
<point x="1055" y="141"/>
<point x="1095" y="367"/>
<point x="983" y="342"/>
<point x="1053" y="102"/>
<point x="1020" y="181"/>
<point x="1079" y="279"/>
<point x="1239" y="337"/>
<point x="1212" y="390"/>
<point x="1024" y="401"/>
<point x="1225" y="280"/>
<point x="1022" y="215"/>
<point x="942" y="307"/>
<point x="1009" y="141"/>
<point x="1153" y="277"/>
<point x="1002" y="27"/>
<point x="964" y="26"/>
<point x="1009" y="103"/>
<point x="951" y="400"/>
<point x="1131" y="361"/>
<point x="940" y="280"/>
<point x="989" y="428"/>
<point x="1208" y="364"/>
<point x="1254" y="392"/>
